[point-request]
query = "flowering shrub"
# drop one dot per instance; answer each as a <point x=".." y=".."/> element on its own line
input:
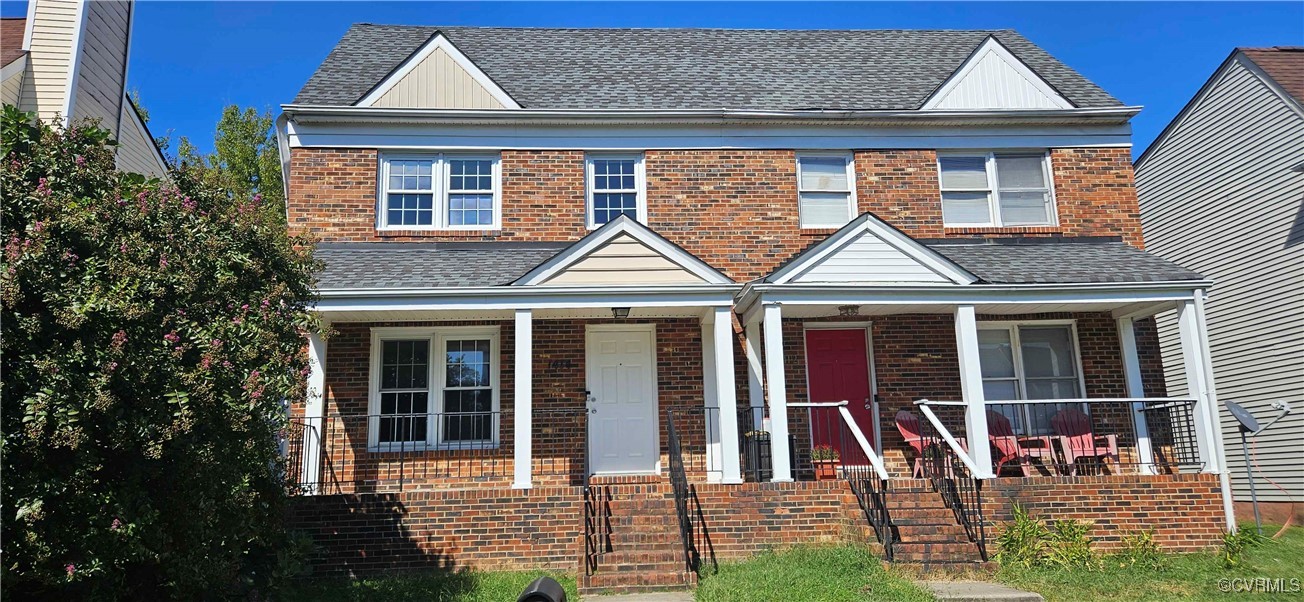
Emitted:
<point x="151" y="333"/>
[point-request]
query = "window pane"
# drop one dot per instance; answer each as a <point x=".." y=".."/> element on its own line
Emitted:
<point x="468" y="363"/>
<point x="613" y="174"/>
<point x="609" y="206"/>
<point x="823" y="173"/>
<point x="1020" y="172"/>
<point x="964" y="172"/>
<point x="1047" y="352"/>
<point x="1057" y="388"/>
<point x="1000" y="390"/>
<point x="1025" y="208"/>
<point x="410" y="175"/>
<point x="468" y="415"/>
<point x="825" y="209"/>
<point x="995" y="354"/>
<point x="470" y="174"/>
<point x="404" y="364"/>
<point x="403" y="417"/>
<point x="470" y="209"/>
<point x="966" y="208"/>
<point x="409" y="209"/>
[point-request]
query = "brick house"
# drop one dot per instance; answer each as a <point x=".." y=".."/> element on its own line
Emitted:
<point x="629" y="300"/>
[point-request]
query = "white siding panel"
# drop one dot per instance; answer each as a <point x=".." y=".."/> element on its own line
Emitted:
<point x="11" y="89"/>
<point x="867" y="258"/>
<point x="1218" y="196"/>
<point x="136" y="151"/>
<point x="102" y="63"/>
<point x="995" y="82"/>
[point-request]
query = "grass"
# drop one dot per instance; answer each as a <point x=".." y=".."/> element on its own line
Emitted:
<point x="815" y="574"/>
<point x="1187" y="576"/>
<point x="444" y="586"/>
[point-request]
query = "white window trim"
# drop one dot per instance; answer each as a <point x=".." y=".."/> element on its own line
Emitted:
<point x="1016" y="349"/>
<point x="993" y="188"/>
<point x="436" y="337"/>
<point x="440" y="191"/>
<point x="852" y="204"/>
<point x="640" y="186"/>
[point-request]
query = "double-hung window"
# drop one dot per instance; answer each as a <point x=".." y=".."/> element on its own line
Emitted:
<point x="615" y="188"/>
<point x="457" y="192"/>
<point x="996" y="189"/>
<point x="434" y="388"/>
<point x="825" y="190"/>
<point x="1029" y="361"/>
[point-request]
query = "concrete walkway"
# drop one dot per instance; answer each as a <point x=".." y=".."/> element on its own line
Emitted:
<point x="679" y="596"/>
<point x="978" y="591"/>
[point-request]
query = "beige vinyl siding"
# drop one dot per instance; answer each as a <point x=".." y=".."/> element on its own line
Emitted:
<point x="102" y="64"/>
<point x="1218" y="195"/>
<point x="624" y="260"/>
<point x="54" y="29"/>
<point x="438" y="82"/>
<point x="867" y="258"/>
<point x="136" y="151"/>
<point x="11" y="89"/>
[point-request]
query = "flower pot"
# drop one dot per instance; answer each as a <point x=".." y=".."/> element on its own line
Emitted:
<point x="825" y="470"/>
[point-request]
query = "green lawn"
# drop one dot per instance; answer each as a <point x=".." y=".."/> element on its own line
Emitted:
<point x="814" y="574"/>
<point x="456" y="586"/>
<point x="1187" y="577"/>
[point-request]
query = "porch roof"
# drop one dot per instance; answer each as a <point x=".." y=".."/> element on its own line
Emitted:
<point x="1058" y="261"/>
<point x="351" y="266"/>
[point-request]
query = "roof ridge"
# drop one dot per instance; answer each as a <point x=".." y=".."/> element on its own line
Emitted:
<point x="728" y="29"/>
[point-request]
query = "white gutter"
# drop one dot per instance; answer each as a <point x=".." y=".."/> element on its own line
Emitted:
<point x="516" y="291"/>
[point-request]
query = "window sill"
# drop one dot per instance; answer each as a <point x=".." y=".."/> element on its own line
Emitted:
<point x="422" y="447"/>
<point x="439" y="233"/>
<point x="1003" y="230"/>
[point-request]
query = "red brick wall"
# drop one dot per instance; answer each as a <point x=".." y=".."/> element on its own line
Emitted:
<point x="1185" y="511"/>
<point x="737" y="210"/>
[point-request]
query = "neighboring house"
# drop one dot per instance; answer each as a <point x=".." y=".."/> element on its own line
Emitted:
<point x="68" y="60"/>
<point x="646" y="297"/>
<point x="1222" y="192"/>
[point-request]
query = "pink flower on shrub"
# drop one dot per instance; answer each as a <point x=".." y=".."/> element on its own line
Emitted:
<point x="119" y="338"/>
<point x="43" y="187"/>
<point x="163" y="261"/>
<point x="71" y="568"/>
<point x="171" y="337"/>
<point x="115" y="525"/>
<point x="80" y="160"/>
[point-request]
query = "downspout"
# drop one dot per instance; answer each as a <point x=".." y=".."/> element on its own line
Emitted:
<point x="1224" y="474"/>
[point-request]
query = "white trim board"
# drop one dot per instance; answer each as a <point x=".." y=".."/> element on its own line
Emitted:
<point x="993" y="78"/>
<point x="439" y="42"/>
<point x="868" y="225"/>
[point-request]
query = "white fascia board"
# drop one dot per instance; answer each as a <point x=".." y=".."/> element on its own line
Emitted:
<point x="821" y="294"/>
<point x="439" y="42"/>
<point x="869" y="224"/>
<point x="13" y="68"/>
<point x="994" y="46"/>
<point x="74" y="65"/>
<point x="622" y="225"/>
<point x="500" y="298"/>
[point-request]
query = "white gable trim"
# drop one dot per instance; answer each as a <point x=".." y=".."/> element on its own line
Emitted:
<point x="873" y="226"/>
<point x="990" y="49"/>
<point x="622" y="225"/>
<point x="439" y="42"/>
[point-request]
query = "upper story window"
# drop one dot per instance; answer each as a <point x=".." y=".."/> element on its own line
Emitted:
<point x="615" y="188"/>
<point x="996" y="189"/>
<point x="825" y="190"/>
<point x="440" y="192"/>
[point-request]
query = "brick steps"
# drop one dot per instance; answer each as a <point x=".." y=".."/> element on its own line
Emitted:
<point x="927" y="531"/>
<point x="647" y="553"/>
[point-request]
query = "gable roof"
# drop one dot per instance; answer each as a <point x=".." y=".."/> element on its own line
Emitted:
<point x="993" y="78"/>
<point x="389" y="265"/>
<point x="11" y="39"/>
<point x="1284" y="64"/>
<point x="924" y="259"/>
<point x="691" y="68"/>
<point x="620" y="228"/>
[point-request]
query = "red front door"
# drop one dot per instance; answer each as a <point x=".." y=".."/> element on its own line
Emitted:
<point x="837" y="363"/>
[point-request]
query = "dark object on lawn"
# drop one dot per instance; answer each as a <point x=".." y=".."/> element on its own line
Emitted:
<point x="1250" y="425"/>
<point x="543" y="589"/>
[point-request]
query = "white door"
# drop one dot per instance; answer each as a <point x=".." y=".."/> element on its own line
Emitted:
<point x="621" y="374"/>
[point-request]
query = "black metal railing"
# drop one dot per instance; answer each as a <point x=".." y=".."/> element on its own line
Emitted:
<point x="754" y="445"/>
<point x="349" y="453"/>
<point x="692" y="524"/>
<point x="871" y="493"/>
<point x="597" y="526"/>
<point x="946" y="465"/>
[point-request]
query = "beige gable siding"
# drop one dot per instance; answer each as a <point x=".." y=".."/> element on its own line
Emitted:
<point x="1218" y="195"/>
<point x="102" y="63"/>
<point x="54" y="29"/>
<point x="624" y="260"/>
<point x="136" y="151"/>
<point x="867" y="258"/>
<point x="438" y="82"/>
<point x="12" y="88"/>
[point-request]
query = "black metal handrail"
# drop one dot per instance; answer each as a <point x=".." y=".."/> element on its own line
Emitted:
<point x="950" y="477"/>
<point x="692" y="522"/>
<point x="871" y="494"/>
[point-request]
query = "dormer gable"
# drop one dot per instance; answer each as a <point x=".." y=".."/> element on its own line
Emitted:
<point x="869" y="251"/>
<point x="992" y="78"/>
<point x="623" y="252"/>
<point x="438" y="76"/>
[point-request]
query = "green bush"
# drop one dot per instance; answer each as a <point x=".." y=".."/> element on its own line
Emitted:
<point x="1141" y="551"/>
<point x="1023" y="541"/>
<point x="1070" y="545"/>
<point x="1235" y="544"/>
<point x="151" y="335"/>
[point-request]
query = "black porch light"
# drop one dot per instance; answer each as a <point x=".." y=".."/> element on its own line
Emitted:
<point x="620" y="313"/>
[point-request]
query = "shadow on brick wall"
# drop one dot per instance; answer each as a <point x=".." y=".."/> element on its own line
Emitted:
<point x="358" y="535"/>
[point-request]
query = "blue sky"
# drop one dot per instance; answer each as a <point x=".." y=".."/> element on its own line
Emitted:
<point x="189" y="59"/>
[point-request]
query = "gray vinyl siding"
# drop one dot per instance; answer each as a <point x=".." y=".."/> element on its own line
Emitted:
<point x="102" y="64"/>
<point x="136" y="150"/>
<point x="1218" y="195"/>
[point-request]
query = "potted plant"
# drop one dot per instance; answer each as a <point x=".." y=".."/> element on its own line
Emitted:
<point x="825" y="459"/>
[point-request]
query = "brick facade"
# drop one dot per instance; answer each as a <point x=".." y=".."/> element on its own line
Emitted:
<point x="735" y="209"/>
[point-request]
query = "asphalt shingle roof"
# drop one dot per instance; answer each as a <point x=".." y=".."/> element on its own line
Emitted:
<point x="691" y="68"/>
<point x="1030" y="261"/>
<point x="427" y="265"/>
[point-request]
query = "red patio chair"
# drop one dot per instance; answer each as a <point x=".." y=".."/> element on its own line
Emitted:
<point x="1073" y="429"/>
<point x="907" y="424"/>
<point x="1001" y="435"/>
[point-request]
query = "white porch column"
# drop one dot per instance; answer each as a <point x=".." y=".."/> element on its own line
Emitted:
<point x="971" y="388"/>
<point x="522" y="400"/>
<point x="778" y="393"/>
<point x="726" y="395"/>
<point x="755" y="386"/>
<point x="711" y="422"/>
<point x="1136" y="390"/>
<point x="314" y="416"/>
